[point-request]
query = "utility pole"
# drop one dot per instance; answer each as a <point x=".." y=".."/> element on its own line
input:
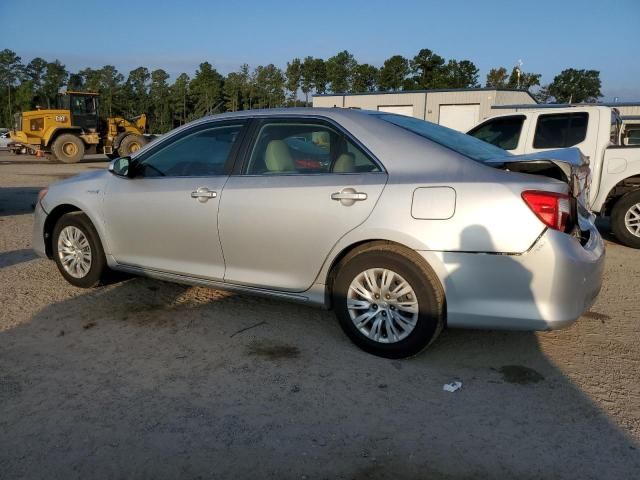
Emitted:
<point x="10" y="109"/>
<point x="519" y="71"/>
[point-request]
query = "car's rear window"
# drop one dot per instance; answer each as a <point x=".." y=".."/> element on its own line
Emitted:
<point x="458" y="142"/>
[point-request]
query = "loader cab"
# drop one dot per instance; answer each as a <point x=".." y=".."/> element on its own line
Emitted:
<point x="83" y="108"/>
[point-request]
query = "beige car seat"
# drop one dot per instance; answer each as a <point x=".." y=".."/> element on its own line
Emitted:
<point x="345" y="163"/>
<point x="277" y="157"/>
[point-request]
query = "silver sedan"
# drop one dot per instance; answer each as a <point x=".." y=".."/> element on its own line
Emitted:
<point x="401" y="226"/>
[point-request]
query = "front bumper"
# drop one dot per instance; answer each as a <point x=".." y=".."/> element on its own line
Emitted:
<point x="37" y="240"/>
<point x="550" y="286"/>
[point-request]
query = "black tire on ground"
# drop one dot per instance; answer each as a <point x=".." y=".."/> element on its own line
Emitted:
<point x="98" y="270"/>
<point x="68" y="148"/>
<point x="424" y="282"/>
<point x="130" y="144"/>
<point x="627" y="208"/>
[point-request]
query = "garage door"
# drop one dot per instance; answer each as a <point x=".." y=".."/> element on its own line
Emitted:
<point x="459" y="117"/>
<point x="399" y="109"/>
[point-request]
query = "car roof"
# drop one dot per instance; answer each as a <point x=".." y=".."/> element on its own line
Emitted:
<point x="521" y="110"/>
<point x="399" y="150"/>
<point x="328" y="112"/>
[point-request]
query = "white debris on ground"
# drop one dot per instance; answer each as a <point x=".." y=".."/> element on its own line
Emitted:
<point x="452" y="387"/>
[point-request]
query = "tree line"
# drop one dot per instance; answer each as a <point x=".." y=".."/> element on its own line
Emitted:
<point x="24" y="86"/>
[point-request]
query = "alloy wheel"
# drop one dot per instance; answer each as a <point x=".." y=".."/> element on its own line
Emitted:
<point x="632" y="219"/>
<point x="74" y="251"/>
<point x="382" y="305"/>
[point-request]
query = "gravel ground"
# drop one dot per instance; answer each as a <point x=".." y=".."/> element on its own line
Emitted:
<point x="146" y="379"/>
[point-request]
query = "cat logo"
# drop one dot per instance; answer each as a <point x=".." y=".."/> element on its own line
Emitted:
<point x="61" y="118"/>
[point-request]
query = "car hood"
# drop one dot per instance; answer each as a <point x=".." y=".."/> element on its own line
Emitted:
<point x="96" y="175"/>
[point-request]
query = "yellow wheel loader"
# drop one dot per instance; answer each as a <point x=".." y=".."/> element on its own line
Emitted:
<point x="74" y="129"/>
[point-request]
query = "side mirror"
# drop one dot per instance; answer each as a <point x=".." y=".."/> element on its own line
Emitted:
<point x="123" y="167"/>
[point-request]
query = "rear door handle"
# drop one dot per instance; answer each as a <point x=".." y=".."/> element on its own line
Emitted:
<point x="348" y="196"/>
<point x="203" y="194"/>
<point x="357" y="196"/>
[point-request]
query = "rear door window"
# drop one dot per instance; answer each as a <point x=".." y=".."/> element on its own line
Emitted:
<point x="560" y="130"/>
<point x="503" y="132"/>
<point x="305" y="147"/>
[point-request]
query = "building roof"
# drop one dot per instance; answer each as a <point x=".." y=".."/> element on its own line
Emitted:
<point x="433" y="90"/>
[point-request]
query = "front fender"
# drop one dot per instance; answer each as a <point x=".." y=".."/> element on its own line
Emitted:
<point x="86" y="193"/>
<point x="52" y="132"/>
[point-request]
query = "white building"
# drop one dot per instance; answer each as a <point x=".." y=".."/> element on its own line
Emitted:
<point x="458" y="108"/>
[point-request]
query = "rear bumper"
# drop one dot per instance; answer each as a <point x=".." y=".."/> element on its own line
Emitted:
<point x="548" y="287"/>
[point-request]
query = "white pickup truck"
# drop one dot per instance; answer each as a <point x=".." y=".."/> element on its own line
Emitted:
<point x="598" y="132"/>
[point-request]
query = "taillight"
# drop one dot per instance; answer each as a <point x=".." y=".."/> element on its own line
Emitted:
<point x="553" y="209"/>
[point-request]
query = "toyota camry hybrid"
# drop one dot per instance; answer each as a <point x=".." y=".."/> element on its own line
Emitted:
<point x="401" y="226"/>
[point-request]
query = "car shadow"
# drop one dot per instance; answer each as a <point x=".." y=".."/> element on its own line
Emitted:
<point x="14" y="257"/>
<point x="18" y="200"/>
<point x="146" y="379"/>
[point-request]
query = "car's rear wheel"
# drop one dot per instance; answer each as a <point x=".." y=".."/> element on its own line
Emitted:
<point x="77" y="251"/>
<point x="625" y="219"/>
<point x="388" y="301"/>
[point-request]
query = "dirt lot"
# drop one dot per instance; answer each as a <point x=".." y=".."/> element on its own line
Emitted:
<point x="145" y="379"/>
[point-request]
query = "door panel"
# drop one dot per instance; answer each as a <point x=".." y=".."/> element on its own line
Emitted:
<point x="155" y="223"/>
<point x="459" y="117"/>
<point x="166" y="218"/>
<point x="406" y="110"/>
<point x="277" y="230"/>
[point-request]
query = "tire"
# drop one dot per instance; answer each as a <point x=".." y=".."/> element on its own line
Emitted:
<point x="68" y="148"/>
<point x="64" y="234"/>
<point x="625" y="219"/>
<point x="395" y="338"/>
<point x="130" y="144"/>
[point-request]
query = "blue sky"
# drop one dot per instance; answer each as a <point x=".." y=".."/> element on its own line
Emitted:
<point x="548" y="36"/>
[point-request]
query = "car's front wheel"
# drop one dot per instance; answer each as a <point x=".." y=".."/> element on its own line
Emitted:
<point x="388" y="301"/>
<point x="68" y="148"/>
<point x="131" y="144"/>
<point x="77" y="250"/>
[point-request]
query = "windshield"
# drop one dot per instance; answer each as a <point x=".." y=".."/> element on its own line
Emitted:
<point x="458" y="142"/>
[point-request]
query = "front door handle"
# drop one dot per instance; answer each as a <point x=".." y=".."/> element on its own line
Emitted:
<point x="348" y="196"/>
<point x="203" y="194"/>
